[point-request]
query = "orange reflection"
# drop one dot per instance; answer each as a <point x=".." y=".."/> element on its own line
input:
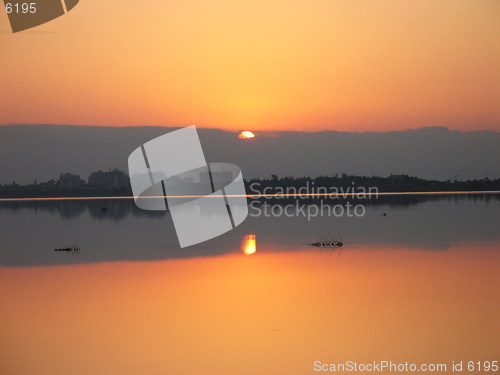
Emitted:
<point x="112" y="318"/>
<point x="249" y="244"/>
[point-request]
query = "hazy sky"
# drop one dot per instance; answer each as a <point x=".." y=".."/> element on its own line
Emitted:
<point x="258" y="64"/>
<point x="42" y="152"/>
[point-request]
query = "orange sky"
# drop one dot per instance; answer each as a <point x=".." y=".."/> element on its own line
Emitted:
<point x="273" y="64"/>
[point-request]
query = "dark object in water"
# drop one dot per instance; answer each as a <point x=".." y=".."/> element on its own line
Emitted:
<point x="331" y="243"/>
<point x="329" y="246"/>
<point x="74" y="249"/>
<point x="104" y="209"/>
<point x="326" y="244"/>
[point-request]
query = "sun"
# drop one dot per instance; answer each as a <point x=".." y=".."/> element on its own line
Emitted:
<point x="246" y="134"/>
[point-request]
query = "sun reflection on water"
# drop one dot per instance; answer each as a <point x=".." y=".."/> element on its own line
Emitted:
<point x="249" y="244"/>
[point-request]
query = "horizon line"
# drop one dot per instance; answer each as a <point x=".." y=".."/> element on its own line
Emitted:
<point x="341" y="195"/>
<point x="269" y="131"/>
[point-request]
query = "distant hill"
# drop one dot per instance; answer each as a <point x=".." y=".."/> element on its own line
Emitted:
<point x="42" y="152"/>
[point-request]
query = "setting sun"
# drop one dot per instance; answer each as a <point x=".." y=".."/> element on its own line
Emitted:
<point x="246" y="135"/>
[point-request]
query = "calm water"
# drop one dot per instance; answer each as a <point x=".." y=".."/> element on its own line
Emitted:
<point x="419" y="284"/>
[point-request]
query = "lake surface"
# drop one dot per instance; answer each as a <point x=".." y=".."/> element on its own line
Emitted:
<point x="416" y="281"/>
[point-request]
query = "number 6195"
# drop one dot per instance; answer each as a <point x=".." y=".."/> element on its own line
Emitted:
<point x="23" y="8"/>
